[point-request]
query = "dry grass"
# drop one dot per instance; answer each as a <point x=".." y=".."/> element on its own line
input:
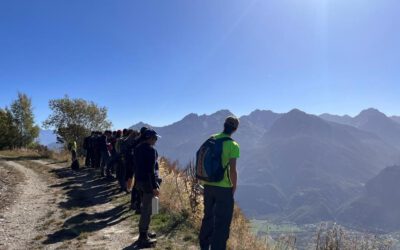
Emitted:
<point x="19" y="153"/>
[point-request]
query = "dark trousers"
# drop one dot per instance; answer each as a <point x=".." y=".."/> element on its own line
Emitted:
<point x="73" y="155"/>
<point x="88" y="158"/>
<point x="218" y="212"/>
<point x="136" y="199"/>
<point x="145" y="211"/>
<point x="121" y="173"/>
<point x="96" y="158"/>
<point x="105" y="162"/>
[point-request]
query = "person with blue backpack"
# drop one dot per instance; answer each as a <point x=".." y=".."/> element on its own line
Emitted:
<point x="216" y="168"/>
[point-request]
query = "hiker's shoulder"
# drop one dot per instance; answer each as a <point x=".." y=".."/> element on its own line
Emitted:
<point x="223" y="135"/>
<point x="220" y="136"/>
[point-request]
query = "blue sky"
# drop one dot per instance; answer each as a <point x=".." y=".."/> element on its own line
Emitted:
<point x="156" y="61"/>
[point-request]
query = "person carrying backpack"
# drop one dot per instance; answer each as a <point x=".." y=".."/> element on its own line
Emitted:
<point x="136" y="195"/>
<point x="216" y="167"/>
<point x="87" y="146"/>
<point x="95" y="145"/>
<point x="130" y="142"/>
<point x="104" y="145"/>
<point x="113" y="152"/>
<point x="120" y="148"/>
<point x="146" y="182"/>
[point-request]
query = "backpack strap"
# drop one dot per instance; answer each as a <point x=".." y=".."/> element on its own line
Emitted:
<point x="222" y="140"/>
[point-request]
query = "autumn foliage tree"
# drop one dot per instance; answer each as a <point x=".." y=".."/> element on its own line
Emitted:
<point x="73" y="119"/>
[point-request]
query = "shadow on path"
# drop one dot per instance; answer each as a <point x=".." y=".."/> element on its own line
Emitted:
<point x="23" y="158"/>
<point x="85" y="189"/>
<point x="86" y="223"/>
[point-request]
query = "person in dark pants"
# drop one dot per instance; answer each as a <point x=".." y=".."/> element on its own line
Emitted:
<point x="95" y="144"/>
<point x="146" y="183"/>
<point x="113" y="152"/>
<point x="131" y="142"/>
<point x="136" y="196"/>
<point x="88" y="148"/>
<point x="121" y="160"/>
<point x="105" y="153"/>
<point x="219" y="196"/>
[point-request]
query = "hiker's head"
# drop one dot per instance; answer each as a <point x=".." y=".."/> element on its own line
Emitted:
<point x="135" y="133"/>
<point x="150" y="136"/>
<point x="231" y="124"/>
<point x="125" y="132"/>
<point x="118" y="134"/>
<point x="143" y="130"/>
<point x="107" y="133"/>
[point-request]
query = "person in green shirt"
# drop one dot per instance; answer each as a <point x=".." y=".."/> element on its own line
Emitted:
<point x="219" y="196"/>
<point x="73" y="148"/>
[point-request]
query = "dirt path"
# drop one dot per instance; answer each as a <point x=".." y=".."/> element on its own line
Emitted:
<point x="19" y="222"/>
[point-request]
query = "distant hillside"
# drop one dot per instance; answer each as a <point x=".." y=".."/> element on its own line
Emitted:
<point x="396" y="118"/>
<point x="345" y="119"/>
<point x="372" y="120"/>
<point x="379" y="206"/>
<point x="305" y="167"/>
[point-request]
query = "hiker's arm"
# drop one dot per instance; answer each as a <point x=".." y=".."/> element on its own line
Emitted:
<point x="233" y="173"/>
<point x="152" y="163"/>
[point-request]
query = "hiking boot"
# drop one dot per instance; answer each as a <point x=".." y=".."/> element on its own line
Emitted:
<point x="152" y="235"/>
<point x="145" y="241"/>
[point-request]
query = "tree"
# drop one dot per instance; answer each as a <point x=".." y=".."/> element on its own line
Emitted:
<point x="8" y="130"/>
<point x="22" y="114"/>
<point x="73" y="119"/>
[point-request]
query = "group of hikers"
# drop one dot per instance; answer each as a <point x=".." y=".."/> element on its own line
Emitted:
<point x="131" y="154"/>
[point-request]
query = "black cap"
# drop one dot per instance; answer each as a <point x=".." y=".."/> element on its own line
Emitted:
<point x="150" y="133"/>
<point x="143" y="129"/>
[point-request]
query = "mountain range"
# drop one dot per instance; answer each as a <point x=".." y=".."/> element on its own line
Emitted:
<point x="295" y="166"/>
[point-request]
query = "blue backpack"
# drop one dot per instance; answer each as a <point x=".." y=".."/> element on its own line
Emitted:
<point x="209" y="160"/>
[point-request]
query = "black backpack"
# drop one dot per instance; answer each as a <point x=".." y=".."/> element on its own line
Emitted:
<point x="209" y="160"/>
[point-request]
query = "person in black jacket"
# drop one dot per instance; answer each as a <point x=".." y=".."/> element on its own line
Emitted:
<point x="146" y="182"/>
<point x="104" y="143"/>
<point x="136" y="200"/>
<point x="95" y="145"/>
<point x="87" y="146"/>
